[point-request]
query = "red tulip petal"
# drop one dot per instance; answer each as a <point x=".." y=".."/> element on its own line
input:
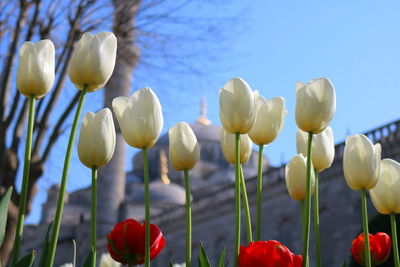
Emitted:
<point x="134" y="237"/>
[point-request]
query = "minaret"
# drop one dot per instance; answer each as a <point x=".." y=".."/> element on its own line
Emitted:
<point x="203" y="112"/>
<point x="164" y="167"/>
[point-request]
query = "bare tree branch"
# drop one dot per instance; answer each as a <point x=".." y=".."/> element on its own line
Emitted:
<point x="57" y="129"/>
<point x="8" y="64"/>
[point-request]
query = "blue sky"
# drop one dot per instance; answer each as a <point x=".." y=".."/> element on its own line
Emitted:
<point x="356" y="44"/>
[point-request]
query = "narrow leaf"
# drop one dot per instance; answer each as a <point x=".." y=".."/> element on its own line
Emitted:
<point x="90" y="259"/>
<point x="26" y="261"/>
<point x="344" y="263"/>
<point x="170" y="264"/>
<point x="222" y="258"/>
<point x="45" y="246"/>
<point x="203" y="259"/>
<point x="5" y="200"/>
<point x="74" y="258"/>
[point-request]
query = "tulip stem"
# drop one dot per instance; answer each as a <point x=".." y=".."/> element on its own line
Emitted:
<point x="25" y="182"/>
<point x="93" y="214"/>
<point x="316" y="222"/>
<point x="188" y="220"/>
<point x="246" y="205"/>
<point x="308" y="202"/>
<point x="367" y="251"/>
<point x="394" y="239"/>
<point x="147" y="208"/>
<point x="64" y="178"/>
<point x="259" y="192"/>
<point x="237" y="200"/>
<point x="303" y="226"/>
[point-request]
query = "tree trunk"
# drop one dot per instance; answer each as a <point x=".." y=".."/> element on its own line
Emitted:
<point x="112" y="177"/>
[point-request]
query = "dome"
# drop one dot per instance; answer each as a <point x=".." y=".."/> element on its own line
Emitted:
<point x="161" y="194"/>
<point x="204" y="133"/>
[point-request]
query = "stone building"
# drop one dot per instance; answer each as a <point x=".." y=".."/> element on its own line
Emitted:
<point x="212" y="183"/>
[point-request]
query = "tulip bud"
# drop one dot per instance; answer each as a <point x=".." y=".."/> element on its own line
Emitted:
<point x="315" y="105"/>
<point x="379" y="245"/>
<point x="93" y="60"/>
<point x="184" y="151"/>
<point x="107" y="261"/>
<point x="125" y="242"/>
<point x="97" y="139"/>
<point x="270" y="115"/>
<point x="296" y="177"/>
<point x="35" y="74"/>
<point x="237" y="106"/>
<point x="228" y="147"/>
<point x="323" y="147"/>
<point x="361" y="161"/>
<point x="385" y="195"/>
<point x="139" y="117"/>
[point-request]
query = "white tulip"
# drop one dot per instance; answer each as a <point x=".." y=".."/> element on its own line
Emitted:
<point x="67" y="265"/>
<point x="315" y="105"/>
<point x="237" y="107"/>
<point x="386" y="193"/>
<point x="35" y="74"/>
<point x="184" y="150"/>
<point x="228" y="147"/>
<point x="361" y="161"/>
<point x="270" y="115"/>
<point x="323" y="147"/>
<point x="107" y="261"/>
<point x="140" y="118"/>
<point x="93" y="60"/>
<point x="296" y="177"/>
<point x="97" y="139"/>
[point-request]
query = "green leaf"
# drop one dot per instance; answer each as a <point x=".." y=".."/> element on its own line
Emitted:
<point x="90" y="259"/>
<point x="222" y="258"/>
<point x="170" y="264"/>
<point x="5" y="200"/>
<point x="45" y="246"/>
<point x="74" y="257"/>
<point x="203" y="259"/>
<point x="344" y="263"/>
<point x="26" y="261"/>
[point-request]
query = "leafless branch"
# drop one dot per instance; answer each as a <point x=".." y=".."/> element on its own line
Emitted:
<point x="56" y="131"/>
<point x="9" y="60"/>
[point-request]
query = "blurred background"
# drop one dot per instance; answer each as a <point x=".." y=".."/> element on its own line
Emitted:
<point x="185" y="51"/>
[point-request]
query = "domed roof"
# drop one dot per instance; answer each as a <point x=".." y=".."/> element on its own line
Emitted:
<point x="161" y="194"/>
<point x="202" y="128"/>
<point x="204" y="133"/>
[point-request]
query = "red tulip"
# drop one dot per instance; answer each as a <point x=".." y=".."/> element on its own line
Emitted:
<point x="269" y="253"/>
<point x="379" y="244"/>
<point x="126" y="242"/>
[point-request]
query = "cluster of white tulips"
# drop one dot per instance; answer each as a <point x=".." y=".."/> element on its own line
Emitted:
<point x="246" y="118"/>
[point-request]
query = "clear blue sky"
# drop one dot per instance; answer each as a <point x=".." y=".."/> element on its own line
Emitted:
<point x="356" y="44"/>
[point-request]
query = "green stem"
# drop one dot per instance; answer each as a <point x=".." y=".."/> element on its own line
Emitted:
<point x="367" y="251"/>
<point x="237" y="200"/>
<point x="316" y="222"/>
<point x="308" y="202"/>
<point x="25" y="182"/>
<point x="259" y="192"/>
<point x="394" y="239"/>
<point x="303" y="225"/>
<point x="147" y="208"/>
<point x="93" y="213"/>
<point x="64" y="178"/>
<point x="188" y="220"/>
<point x="246" y="205"/>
